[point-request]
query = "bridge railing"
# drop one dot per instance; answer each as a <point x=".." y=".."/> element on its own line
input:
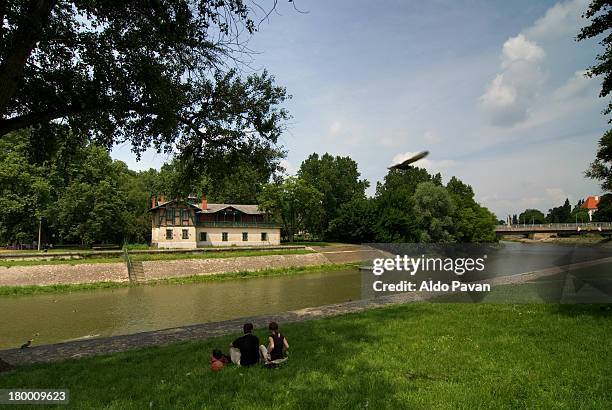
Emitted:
<point x="557" y="226"/>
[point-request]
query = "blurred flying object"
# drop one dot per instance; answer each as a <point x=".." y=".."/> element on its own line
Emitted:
<point x="406" y="164"/>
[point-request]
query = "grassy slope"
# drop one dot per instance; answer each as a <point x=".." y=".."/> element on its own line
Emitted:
<point x="151" y="257"/>
<point x="34" y="289"/>
<point x="417" y="355"/>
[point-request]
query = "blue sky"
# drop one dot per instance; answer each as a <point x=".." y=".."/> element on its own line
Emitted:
<point x="493" y="89"/>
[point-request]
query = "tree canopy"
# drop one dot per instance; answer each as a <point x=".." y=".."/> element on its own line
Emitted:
<point x="337" y="179"/>
<point x="599" y="13"/>
<point x="154" y="74"/>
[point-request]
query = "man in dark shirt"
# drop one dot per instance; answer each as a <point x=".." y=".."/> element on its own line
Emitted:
<point x="245" y="350"/>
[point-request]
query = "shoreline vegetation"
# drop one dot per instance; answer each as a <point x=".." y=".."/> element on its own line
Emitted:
<point x="28" y="290"/>
<point x="511" y="354"/>
<point x="92" y="258"/>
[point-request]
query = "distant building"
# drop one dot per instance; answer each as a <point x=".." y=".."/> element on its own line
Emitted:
<point x="590" y="204"/>
<point x="194" y="223"/>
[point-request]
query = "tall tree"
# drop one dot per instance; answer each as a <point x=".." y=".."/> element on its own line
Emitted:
<point x="532" y="216"/>
<point x="337" y="178"/>
<point x="154" y="73"/>
<point x="434" y="208"/>
<point x="559" y="214"/>
<point x="295" y="203"/>
<point x="599" y="13"/>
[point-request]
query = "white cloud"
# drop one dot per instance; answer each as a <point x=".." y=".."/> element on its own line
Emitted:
<point x="560" y="21"/>
<point x="556" y="195"/>
<point x="575" y="86"/>
<point x="508" y="98"/>
<point x="433" y="166"/>
<point x="499" y="94"/>
<point x="520" y="49"/>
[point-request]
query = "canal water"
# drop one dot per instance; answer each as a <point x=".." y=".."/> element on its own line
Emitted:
<point x="53" y="318"/>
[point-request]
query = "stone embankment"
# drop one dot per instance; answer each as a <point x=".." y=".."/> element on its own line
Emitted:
<point x="117" y="272"/>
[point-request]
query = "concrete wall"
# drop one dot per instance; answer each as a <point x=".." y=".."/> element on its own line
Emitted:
<point x="63" y="274"/>
<point x="214" y="237"/>
<point x="193" y="267"/>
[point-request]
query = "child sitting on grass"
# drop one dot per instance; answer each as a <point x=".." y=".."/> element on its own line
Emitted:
<point x="218" y="360"/>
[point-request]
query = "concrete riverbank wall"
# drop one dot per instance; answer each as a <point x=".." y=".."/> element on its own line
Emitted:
<point x="118" y="272"/>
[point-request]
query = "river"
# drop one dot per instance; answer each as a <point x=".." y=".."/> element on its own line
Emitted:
<point x="53" y="318"/>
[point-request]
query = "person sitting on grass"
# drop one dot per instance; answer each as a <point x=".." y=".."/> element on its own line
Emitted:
<point x="277" y="346"/>
<point x="218" y="360"/>
<point x="244" y="351"/>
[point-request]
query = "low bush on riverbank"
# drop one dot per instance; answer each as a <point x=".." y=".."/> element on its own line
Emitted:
<point x="296" y="270"/>
<point x="417" y="355"/>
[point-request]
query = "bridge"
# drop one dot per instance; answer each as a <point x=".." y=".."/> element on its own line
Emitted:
<point x="566" y="228"/>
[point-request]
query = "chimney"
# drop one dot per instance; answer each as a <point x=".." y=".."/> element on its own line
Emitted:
<point x="204" y="204"/>
<point x="597" y="198"/>
<point x="162" y="198"/>
<point x="153" y="201"/>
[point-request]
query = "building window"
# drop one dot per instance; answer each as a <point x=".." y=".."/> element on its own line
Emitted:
<point x="170" y="216"/>
<point x="184" y="216"/>
<point x="264" y="237"/>
<point x="202" y="236"/>
<point x="245" y="236"/>
<point x="185" y="233"/>
<point x="224" y="236"/>
<point x="169" y="234"/>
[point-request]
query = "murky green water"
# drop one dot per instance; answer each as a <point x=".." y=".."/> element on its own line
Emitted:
<point x="68" y="316"/>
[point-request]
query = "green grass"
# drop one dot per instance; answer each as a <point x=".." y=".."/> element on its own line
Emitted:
<point x="409" y="356"/>
<point x="306" y="243"/>
<point x="58" y="261"/>
<point x="34" y="289"/>
<point x="154" y="257"/>
<point x="218" y="254"/>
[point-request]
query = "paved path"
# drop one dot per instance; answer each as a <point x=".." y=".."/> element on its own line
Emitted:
<point x="108" y="345"/>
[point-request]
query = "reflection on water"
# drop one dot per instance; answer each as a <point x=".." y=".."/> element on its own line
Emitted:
<point x="107" y="312"/>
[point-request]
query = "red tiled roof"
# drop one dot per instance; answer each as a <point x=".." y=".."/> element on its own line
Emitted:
<point x="591" y="202"/>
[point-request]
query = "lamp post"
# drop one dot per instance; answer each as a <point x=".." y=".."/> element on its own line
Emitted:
<point x="39" y="231"/>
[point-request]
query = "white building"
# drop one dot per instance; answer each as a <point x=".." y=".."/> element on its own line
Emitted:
<point x="194" y="223"/>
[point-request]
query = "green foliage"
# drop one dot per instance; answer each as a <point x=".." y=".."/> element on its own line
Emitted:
<point x="414" y="206"/>
<point x="532" y="216"/>
<point x="294" y="203"/>
<point x="337" y="178"/>
<point x="24" y="190"/>
<point x="151" y="74"/>
<point x="81" y="194"/>
<point x="604" y="209"/>
<point x="560" y="214"/>
<point x="356" y="221"/>
<point x="434" y="208"/>
<point x="600" y="15"/>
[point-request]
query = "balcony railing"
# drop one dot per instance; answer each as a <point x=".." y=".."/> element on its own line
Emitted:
<point x="236" y="224"/>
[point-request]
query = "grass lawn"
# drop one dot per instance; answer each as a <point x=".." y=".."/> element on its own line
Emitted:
<point x="410" y="356"/>
<point x="155" y="256"/>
